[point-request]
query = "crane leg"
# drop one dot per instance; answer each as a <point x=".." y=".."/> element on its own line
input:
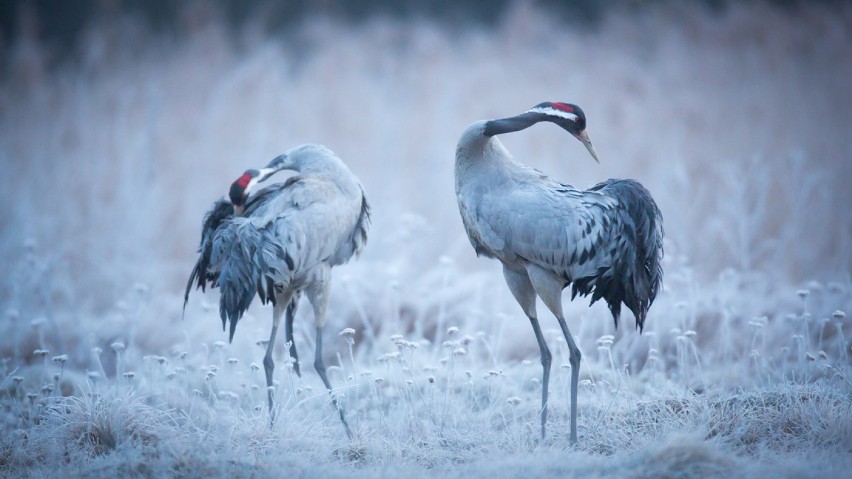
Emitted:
<point x="288" y="331"/>
<point x="574" y="360"/>
<point x="318" y="293"/>
<point x="268" y="363"/>
<point x="320" y="367"/>
<point x="549" y="289"/>
<point x="522" y="289"/>
<point x="546" y="359"/>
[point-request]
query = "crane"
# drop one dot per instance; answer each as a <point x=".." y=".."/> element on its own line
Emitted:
<point x="605" y="241"/>
<point x="283" y="241"/>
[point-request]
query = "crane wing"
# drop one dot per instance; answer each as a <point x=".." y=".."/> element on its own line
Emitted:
<point x="551" y="225"/>
<point x="353" y="245"/>
<point x="312" y="219"/>
<point x="607" y="240"/>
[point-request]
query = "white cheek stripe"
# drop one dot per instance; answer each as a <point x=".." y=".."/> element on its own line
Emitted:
<point x="250" y="186"/>
<point x="554" y="112"/>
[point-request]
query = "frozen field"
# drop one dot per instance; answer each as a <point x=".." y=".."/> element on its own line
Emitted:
<point x="738" y="122"/>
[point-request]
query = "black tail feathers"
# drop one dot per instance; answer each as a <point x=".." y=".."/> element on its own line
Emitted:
<point x="247" y="260"/>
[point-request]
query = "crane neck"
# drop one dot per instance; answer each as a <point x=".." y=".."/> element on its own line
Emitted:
<point x="514" y="123"/>
<point x="481" y="156"/>
<point x="478" y="140"/>
<point x="317" y="161"/>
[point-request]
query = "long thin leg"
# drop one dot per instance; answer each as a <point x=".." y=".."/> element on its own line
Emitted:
<point x="288" y="331"/>
<point x="522" y="289"/>
<point x="546" y="359"/>
<point x="320" y="367"/>
<point x="318" y="293"/>
<point x="268" y="363"/>
<point x="574" y="359"/>
<point x="549" y="289"/>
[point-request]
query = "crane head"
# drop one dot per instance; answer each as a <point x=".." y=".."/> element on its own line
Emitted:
<point x="241" y="188"/>
<point x="568" y="116"/>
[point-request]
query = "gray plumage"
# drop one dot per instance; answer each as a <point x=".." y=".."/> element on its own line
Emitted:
<point x="605" y="241"/>
<point x="284" y="242"/>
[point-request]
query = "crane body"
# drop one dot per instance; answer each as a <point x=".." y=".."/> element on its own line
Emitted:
<point x="282" y="242"/>
<point x="605" y="241"/>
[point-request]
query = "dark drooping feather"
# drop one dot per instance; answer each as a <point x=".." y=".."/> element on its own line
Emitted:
<point x="636" y="272"/>
<point x="200" y="276"/>
<point x="238" y="257"/>
<point x="246" y="259"/>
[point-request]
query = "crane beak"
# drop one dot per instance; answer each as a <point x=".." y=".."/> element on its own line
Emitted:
<point x="584" y="137"/>
<point x="265" y="173"/>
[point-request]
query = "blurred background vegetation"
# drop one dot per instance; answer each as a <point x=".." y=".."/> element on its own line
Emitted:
<point x="59" y="23"/>
<point x="121" y="122"/>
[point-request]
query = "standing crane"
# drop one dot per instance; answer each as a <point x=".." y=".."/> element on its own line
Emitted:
<point x="282" y="241"/>
<point x="606" y="241"/>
